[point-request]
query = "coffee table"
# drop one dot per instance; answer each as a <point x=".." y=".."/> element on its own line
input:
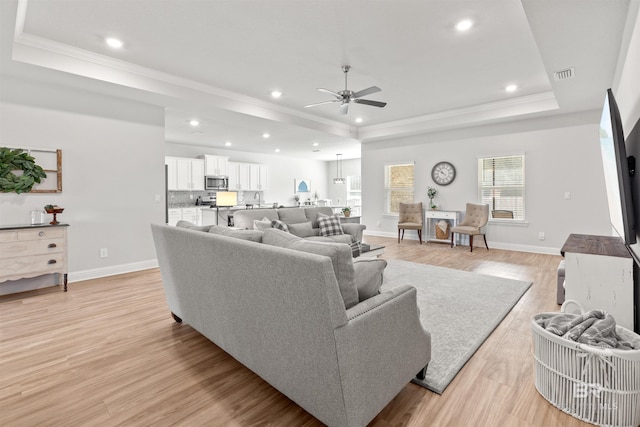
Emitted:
<point x="371" y="251"/>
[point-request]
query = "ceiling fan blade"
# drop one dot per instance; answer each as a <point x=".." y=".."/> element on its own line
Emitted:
<point x="321" y="103"/>
<point x="344" y="108"/>
<point x="337" y="95"/>
<point x="369" y="102"/>
<point x="367" y="91"/>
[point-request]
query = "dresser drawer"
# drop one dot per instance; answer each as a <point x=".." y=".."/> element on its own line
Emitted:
<point x="38" y="234"/>
<point x="31" y="247"/>
<point x="8" y="236"/>
<point x="441" y="214"/>
<point x="34" y="265"/>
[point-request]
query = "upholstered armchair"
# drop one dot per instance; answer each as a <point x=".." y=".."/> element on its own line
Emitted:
<point x="410" y="218"/>
<point x="474" y="223"/>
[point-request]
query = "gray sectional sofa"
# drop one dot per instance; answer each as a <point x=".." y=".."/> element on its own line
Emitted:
<point x="302" y="222"/>
<point x="296" y="313"/>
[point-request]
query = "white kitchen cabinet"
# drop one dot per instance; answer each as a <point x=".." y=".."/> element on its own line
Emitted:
<point x="216" y="165"/>
<point x="245" y="177"/>
<point x="234" y="176"/>
<point x="175" y="215"/>
<point x="263" y="178"/>
<point x="190" y="214"/>
<point x="208" y="216"/>
<point x="185" y="174"/>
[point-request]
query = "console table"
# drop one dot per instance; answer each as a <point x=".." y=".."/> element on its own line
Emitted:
<point x="599" y="275"/>
<point x="33" y="250"/>
<point x="432" y="218"/>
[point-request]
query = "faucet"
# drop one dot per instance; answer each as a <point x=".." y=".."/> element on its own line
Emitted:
<point x="257" y="196"/>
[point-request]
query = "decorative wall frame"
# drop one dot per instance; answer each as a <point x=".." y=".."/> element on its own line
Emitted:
<point x="49" y="159"/>
<point x="302" y="185"/>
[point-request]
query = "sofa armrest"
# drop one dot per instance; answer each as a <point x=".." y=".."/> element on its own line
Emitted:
<point x="381" y="347"/>
<point x="354" y="230"/>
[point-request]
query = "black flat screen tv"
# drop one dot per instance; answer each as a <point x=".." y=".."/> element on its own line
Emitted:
<point x="616" y="171"/>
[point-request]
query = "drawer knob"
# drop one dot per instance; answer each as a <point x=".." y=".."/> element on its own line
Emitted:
<point x="52" y="245"/>
<point x="41" y="234"/>
<point x="52" y="261"/>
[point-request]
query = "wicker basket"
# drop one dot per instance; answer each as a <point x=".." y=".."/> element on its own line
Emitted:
<point x="443" y="235"/>
<point x="600" y="386"/>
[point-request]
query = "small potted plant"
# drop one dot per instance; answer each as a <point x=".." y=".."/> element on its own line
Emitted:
<point x="297" y="199"/>
<point x="346" y="211"/>
<point x="431" y="194"/>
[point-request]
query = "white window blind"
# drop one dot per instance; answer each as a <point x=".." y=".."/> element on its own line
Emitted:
<point x="398" y="182"/>
<point x="501" y="186"/>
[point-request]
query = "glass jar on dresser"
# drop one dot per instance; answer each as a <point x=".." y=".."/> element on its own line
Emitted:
<point x="33" y="250"/>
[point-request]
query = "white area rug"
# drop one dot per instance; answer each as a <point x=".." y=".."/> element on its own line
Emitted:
<point x="460" y="309"/>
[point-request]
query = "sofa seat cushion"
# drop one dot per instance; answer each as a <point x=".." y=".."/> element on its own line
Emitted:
<point x="369" y="276"/>
<point x="292" y="215"/>
<point x="251" y="235"/>
<point x="303" y="229"/>
<point x="329" y="225"/>
<point x="340" y="255"/>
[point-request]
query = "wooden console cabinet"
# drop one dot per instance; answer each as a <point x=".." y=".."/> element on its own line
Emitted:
<point x="599" y="275"/>
<point x="33" y="250"/>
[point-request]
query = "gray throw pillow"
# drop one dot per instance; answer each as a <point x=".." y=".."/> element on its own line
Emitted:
<point x="262" y="224"/>
<point x="279" y="225"/>
<point x="369" y="276"/>
<point x="339" y="253"/>
<point x="302" y="229"/>
<point x="251" y="235"/>
<point x="329" y="225"/>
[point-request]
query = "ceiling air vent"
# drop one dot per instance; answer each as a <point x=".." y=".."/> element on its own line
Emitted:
<point x="565" y="74"/>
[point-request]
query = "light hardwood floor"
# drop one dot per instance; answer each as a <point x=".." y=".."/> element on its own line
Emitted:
<point x="107" y="353"/>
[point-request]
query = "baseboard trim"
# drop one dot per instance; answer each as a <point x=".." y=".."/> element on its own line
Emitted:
<point x="95" y="273"/>
<point x="493" y="245"/>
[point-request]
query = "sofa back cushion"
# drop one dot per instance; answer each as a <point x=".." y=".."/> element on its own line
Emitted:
<point x="303" y="229"/>
<point x="312" y="214"/>
<point x="292" y="215"/>
<point x="251" y="235"/>
<point x="339" y="253"/>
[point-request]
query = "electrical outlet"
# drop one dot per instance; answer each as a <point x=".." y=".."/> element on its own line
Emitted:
<point x="378" y="224"/>
<point x="157" y="198"/>
<point x="191" y="196"/>
<point x="567" y="195"/>
<point x="104" y="252"/>
<point x="541" y="235"/>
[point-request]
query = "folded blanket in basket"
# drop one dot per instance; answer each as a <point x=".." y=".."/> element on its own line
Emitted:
<point x="595" y="327"/>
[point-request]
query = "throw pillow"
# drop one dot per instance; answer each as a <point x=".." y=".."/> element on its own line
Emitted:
<point x="302" y="229"/>
<point x="339" y="253"/>
<point x="279" y="225"/>
<point x="251" y="235"/>
<point x="369" y="276"/>
<point x="329" y="225"/>
<point x="262" y="224"/>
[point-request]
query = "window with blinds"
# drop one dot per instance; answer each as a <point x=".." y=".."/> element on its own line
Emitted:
<point x="398" y="182"/>
<point x="501" y="186"/>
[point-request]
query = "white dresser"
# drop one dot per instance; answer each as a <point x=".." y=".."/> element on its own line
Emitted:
<point x="33" y="250"/>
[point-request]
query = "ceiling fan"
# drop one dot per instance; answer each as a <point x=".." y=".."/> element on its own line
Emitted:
<point x="346" y="96"/>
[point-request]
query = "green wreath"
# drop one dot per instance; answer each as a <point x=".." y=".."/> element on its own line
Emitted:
<point x="17" y="160"/>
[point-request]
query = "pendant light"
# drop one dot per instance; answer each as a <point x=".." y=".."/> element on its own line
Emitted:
<point x="339" y="179"/>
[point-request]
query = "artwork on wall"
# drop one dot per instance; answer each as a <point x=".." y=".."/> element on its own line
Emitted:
<point x="47" y="161"/>
<point x="302" y="185"/>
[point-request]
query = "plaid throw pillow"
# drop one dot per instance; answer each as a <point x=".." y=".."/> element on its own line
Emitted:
<point x="329" y="225"/>
<point x="277" y="224"/>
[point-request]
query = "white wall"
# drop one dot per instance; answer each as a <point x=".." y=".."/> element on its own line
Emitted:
<point x="558" y="160"/>
<point x="282" y="170"/>
<point x="113" y="168"/>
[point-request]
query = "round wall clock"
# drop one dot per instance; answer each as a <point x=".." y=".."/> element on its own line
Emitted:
<point x="443" y="173"/>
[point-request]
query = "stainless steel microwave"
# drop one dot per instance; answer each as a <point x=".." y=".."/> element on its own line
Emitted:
<point x="220" y="183"/>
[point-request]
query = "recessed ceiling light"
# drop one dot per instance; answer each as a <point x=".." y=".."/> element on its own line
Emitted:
<point x="511" y="88"/>
<point x="227" y="143"/>
<point x="316" y="143"/>
<point x="277" y="150"/>
<point x="276" y="93"/>
<point x="114" y="43"/>
<point x="358" y="119"/>
<point x="265" y="135"/>
<point x="194" y="123"/>
<point x="464" y="25"/>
